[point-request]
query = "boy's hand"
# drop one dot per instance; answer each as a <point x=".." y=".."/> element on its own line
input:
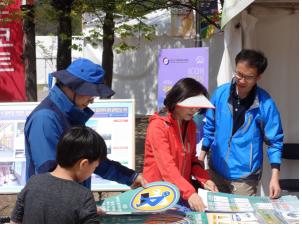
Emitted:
<point x="100" y="211"/>
<point x="139" y="182"/>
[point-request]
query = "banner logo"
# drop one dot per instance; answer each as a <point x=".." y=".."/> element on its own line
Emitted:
<point x="165" y="61"/>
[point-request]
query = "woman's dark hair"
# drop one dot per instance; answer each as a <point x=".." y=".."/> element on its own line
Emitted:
<point x="183" y="89"/>
<point x="253" y="58"/>
<point x="80" y="142"/>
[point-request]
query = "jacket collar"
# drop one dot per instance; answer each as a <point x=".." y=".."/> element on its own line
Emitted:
<point x="74" y="114"/>
<point x="231" y="89"/>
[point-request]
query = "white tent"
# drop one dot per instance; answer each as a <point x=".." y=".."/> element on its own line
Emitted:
<point x="272" y="27"/>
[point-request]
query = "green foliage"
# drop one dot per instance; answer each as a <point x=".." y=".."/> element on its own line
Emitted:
<point x="123" y="11"/>
<point x="122" y="47"/>
<point x="46" y="19"/>
<point x="94" y="38"/>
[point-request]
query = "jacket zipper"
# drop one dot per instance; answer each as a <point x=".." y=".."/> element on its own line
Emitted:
<point x="183" y="147"/>
<point x="185" y="161"/>
<point x="229" y="142"/>
<point x="253" y="106"/>
<point x="228" y="152"/>
<point x="251" y="155"/>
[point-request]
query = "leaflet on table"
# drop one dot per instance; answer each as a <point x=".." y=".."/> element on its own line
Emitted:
<point x="269" y="217"/>
<point x="224" y="202"/>
<point x="263" y="217"/>
<point x="197" y="218"/>
<point x="232" y="218"/>
<point x="282" y="210"/>
<point x="288" y="207"/>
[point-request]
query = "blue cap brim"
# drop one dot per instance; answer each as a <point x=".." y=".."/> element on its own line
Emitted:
<point x="82" y="87"/>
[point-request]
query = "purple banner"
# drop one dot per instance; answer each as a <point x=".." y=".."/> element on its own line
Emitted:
<point x="175" y="64"/>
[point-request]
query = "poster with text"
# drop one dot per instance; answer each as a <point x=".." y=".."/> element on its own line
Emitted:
<point x="174" y="64"/>
<point x="113" y="120"/>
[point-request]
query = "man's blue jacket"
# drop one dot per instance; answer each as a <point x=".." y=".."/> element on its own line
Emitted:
<point x="240" y="156"/>
<point x="43" y="128"/>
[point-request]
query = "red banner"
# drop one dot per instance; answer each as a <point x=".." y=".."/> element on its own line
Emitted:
<point x="12" y="76"/>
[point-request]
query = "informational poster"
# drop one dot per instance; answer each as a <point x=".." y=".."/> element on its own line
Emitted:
<point x="174" y="64"/>
<point x="12" y="155"/>
<point x="113" y="120"/>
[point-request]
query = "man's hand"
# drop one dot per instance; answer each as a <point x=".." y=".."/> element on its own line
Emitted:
<point x="196" y="203"/>
<point x="274" y="186"/>
<point x="211" y="186"/>
<point x="139" y="182"/>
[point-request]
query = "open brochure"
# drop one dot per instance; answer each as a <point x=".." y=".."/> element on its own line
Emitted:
<point x="266" y="210"/>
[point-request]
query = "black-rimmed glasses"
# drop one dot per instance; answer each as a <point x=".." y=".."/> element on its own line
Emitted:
<point x="240" y="76"/>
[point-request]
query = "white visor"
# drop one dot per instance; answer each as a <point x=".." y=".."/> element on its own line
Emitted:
<point x="199" y="101"/>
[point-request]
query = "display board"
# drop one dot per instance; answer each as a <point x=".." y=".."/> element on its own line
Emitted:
<point x="113" y="120"/>
<point x="177" y="63"/>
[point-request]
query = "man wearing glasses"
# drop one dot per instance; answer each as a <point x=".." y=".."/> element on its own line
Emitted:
<point x="244" y="117"/>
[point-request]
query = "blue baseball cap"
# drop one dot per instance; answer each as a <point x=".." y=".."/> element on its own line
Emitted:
<point x="84" y="77"/>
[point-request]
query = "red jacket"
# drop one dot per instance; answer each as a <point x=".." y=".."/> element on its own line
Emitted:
<point x="167" y="158"/>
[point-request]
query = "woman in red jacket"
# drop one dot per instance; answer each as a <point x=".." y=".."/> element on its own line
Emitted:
<point x="170" y="147"/>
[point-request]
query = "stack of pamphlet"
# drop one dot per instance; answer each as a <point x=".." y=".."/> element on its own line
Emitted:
<point x="226" y="208"/>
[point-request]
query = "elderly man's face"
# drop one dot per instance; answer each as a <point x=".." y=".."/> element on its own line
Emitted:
<point x="82" y="101"/>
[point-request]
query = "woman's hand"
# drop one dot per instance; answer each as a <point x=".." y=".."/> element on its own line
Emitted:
<point x="196" y="203"/>
<point x="211" y="186"/>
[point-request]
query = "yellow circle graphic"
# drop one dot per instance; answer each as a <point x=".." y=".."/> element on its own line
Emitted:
<point x="154" y="198"/>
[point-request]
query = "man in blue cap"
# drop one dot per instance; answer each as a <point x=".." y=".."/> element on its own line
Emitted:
<point x="64" y="107"/>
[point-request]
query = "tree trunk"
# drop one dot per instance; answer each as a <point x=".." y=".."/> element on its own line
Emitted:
<point x="29" y="53"/>
<point x="64" y="33"/>
<point x="108" y="40"/>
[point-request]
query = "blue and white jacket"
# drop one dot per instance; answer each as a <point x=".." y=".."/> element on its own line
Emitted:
<point x="43" y="128"/>
<point x="240" y="156"/>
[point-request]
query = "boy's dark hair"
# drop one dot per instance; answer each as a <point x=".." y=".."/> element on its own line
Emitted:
<point x="80" y="142"/>
<point x="253" y="58"/>
<point x="183" y="89"/>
